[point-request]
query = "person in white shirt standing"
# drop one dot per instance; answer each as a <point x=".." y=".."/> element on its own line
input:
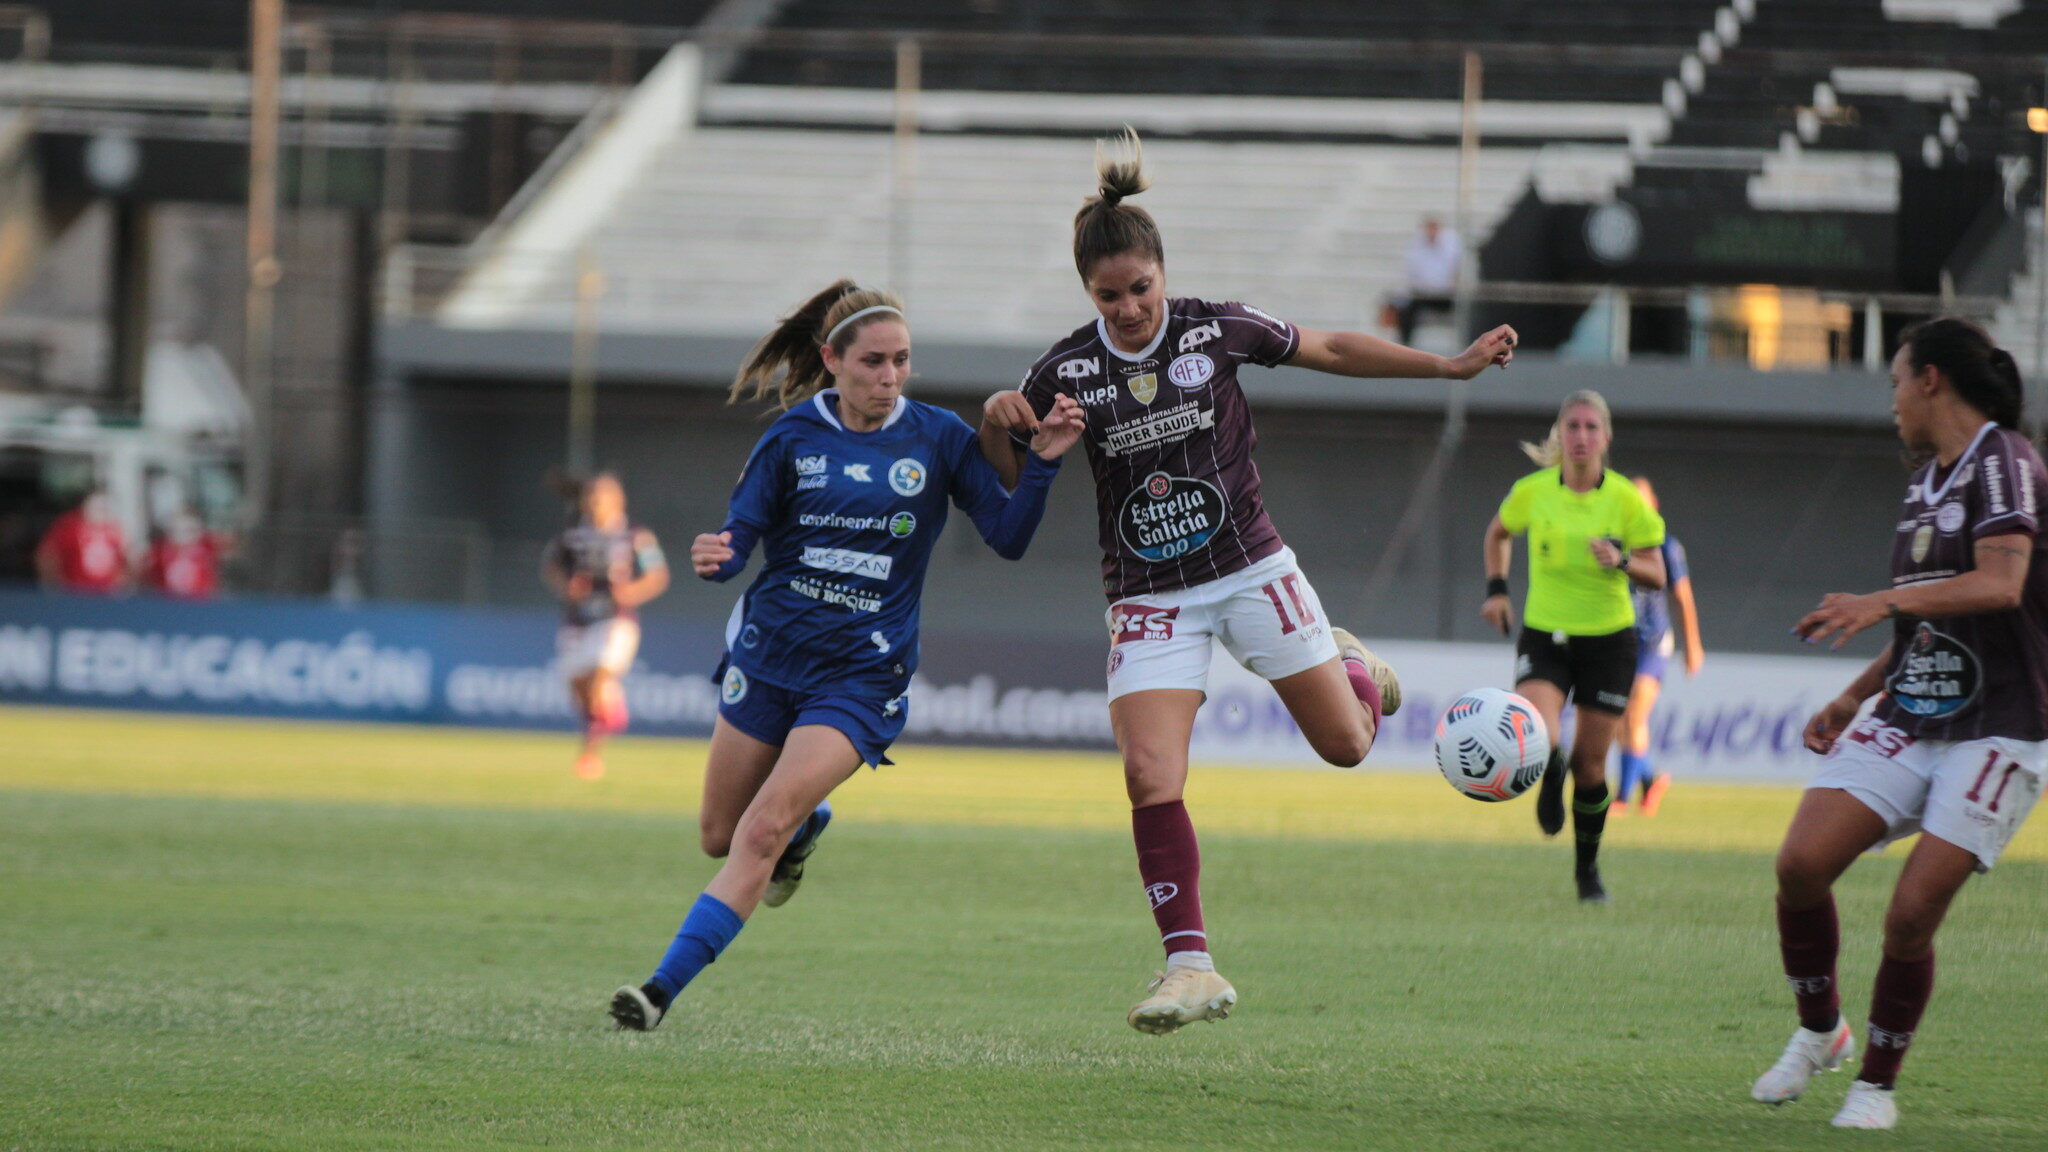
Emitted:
<point x="1430" y="269"/>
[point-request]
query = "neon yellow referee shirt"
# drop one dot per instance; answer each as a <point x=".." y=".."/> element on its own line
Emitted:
<point x="1569" y="591"/>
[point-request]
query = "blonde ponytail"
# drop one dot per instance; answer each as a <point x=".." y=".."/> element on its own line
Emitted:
<point x="1550" y="453"/>
<point x="787" y="366"/>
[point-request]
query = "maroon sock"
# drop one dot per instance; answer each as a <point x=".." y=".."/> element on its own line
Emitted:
<point x="1808" y="939"/>
<point x="1366" y="687"/>
<point x="1171" y="866"/>
<point x="1903" y="989"/>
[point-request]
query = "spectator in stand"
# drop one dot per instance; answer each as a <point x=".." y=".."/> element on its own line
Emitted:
<point x="1431" y="270"/>
<point x="85" y="551"/>
<point x="184" y="559"/>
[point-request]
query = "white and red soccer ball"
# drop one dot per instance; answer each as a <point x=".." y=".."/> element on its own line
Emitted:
<point x="1491" y="745"/>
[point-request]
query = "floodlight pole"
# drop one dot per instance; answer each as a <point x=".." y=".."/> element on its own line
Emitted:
<point x="583" y="367"/>
<point x="903" y="178"/>
<point x="266" y="32"/>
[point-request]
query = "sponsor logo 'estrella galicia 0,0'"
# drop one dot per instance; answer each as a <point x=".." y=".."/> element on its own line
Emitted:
<point x="1937" y="676"/>
<point x="1170" y="516"/>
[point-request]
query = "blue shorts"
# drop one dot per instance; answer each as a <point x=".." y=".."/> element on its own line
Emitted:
<point x="768" y="711"/>
<point x="1653" y="656"/>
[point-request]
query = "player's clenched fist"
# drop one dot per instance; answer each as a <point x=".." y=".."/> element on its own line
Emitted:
<point x="1494" y="348"/>
<point x="709" y="550"/>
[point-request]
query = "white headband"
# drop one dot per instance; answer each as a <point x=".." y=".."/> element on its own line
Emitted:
<point x="833" y="334"/>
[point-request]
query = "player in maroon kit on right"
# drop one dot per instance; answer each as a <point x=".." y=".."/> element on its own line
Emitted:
<point x="1188" y="552"/>
<point x="1956" y="744"/>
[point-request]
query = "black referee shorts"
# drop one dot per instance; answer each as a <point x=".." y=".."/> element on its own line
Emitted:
<point x="1594" y="672"/>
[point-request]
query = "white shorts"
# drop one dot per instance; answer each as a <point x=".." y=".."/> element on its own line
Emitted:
<point x="607" y="644"/>
<point x="1974" y="794"/>
<point x="1266" y="615"/>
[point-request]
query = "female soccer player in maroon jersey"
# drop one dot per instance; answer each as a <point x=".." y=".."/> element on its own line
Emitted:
<point x="1188" y="552"/>
<point x="1956" y="744"/>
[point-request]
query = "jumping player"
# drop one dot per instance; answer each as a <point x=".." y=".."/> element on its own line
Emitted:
<point x="845" y="495"/>
<point x="1188" y="551"/>
<point x="602" y="568"/>
<point x="1656" y="640"/>
<point x="1592" y="537"/>
<point x="1956" y="745"/>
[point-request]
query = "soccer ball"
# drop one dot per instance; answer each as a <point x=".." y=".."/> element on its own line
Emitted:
<point x="1491" y="745"/>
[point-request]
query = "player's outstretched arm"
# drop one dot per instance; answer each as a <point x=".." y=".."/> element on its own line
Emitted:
<point x="1357" y="354"/>
<point x="1007" y="522"/>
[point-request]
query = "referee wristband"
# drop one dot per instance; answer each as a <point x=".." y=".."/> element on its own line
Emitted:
<point x="1496" y="586"/>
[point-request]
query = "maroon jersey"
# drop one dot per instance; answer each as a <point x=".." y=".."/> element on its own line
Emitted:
<point x="1170" y="440"/>
<point x="1968" y="677"/>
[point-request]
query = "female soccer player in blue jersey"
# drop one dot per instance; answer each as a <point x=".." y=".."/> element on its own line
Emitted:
<point x="1189" y="555"/>
<point x="845" y="495"/>
<point x="1953" y="743"/>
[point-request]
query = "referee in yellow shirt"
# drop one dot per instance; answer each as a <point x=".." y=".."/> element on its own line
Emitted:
<point x="1591" y="536"/>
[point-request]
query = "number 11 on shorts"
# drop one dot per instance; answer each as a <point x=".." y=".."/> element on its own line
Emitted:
<point x="1303" y="614"/>
<point x="1976" y="792"/>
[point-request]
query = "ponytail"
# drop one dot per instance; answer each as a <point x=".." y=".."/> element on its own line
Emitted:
<point x="1550" y="453"/>
<point x="787" y="366"/>
<point x="1983" y="375"/>
<point x="1105" y="226"/>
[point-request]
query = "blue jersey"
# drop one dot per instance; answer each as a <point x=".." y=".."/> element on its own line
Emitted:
<point x="847" y="521"/>
<point x="1653" y="614"/>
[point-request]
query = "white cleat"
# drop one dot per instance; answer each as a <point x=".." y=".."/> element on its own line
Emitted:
<point x="1868" y="1106"/>
<point x="1807" y="1053"/>
<point x="633" y="1010"/>
<point x="1382" y="673"/>
<point x="1182" y="996"/>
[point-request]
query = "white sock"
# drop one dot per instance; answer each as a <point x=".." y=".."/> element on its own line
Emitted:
<point x="1199" y="961"/>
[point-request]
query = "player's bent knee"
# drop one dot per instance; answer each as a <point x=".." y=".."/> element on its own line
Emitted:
<point x="717" y="843"/>
<point x="1152" y="778"/>
<point x="1346" y="751"/>
<point x="762" y="837"/>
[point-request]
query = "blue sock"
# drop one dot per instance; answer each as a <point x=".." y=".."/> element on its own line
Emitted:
<point x="1635" y="769"/>
<point x="706" y="931"/>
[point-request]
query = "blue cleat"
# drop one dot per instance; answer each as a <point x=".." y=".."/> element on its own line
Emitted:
<point x="789" y="871"/>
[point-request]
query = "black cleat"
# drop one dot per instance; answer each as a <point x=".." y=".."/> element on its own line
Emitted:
<point x="1591" y="890"/>
<point x="638" y="1009"/>
<point x="1550" y="798"/>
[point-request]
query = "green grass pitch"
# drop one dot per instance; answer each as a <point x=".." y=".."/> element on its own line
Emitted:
<point x="238" y="935"/>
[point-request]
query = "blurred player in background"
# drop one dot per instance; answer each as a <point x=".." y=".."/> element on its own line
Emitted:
<point x="602" y="568"/>
<point x="1592" y="538"/>
<point x="1656" y="639"/>
<point x="1188" y="551"/>
<point x="846" y="495"/>
<point x="85" y="552"/>
<point x="1956" y="745"/>
<point x="184" y="559"/>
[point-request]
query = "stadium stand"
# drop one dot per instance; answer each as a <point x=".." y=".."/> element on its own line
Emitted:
<point x="726" y="228"/>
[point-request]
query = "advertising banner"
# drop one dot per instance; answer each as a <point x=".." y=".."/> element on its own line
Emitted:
<point x="1741" y="718"/>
